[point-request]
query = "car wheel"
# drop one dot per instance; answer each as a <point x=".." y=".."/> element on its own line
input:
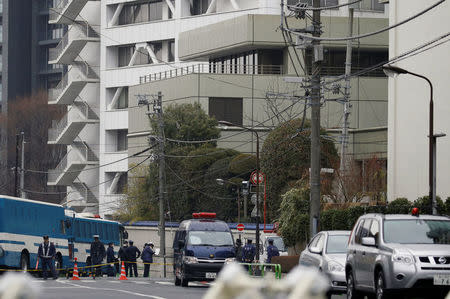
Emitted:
<point x="380" y="287"/>
<point x="352" y="293"/>
<point x="24" y="261"/>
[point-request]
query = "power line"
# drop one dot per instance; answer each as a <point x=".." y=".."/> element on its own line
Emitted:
<point x="305" y="36"/>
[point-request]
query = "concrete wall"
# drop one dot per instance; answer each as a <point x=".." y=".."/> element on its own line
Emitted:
<point x="409" y="101"/>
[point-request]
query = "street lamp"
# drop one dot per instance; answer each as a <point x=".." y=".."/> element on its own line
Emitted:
<point x="229" y="124"/>
<point x="393" y="71"/>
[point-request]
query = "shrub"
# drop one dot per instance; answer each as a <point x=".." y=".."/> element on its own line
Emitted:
<point x="423" y="203"/>
<point x="447" y="206"/>
<point x="399" y="206"/>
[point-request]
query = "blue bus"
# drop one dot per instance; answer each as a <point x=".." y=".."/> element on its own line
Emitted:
<point x="23" y="222"/>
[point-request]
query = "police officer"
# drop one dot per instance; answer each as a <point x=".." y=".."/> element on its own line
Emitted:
<point x="132" y="253"/>
<point x="147" y="257"/>
<point x="272" y="251"/>
<point x="249" y="252"/>
<point x="46" y="253"/>
<point x="97" y="254"/>
<point x="123" y="256"/>
<point x="238" y="250"/>
<point x="110" y="258"/>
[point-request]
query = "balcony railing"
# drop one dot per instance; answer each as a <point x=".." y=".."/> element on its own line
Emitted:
<point x="79" y="111"/>
<point x="78" y="31"/>
<point x="78" y="72"/>
<point x="206" y="68"/>
<point x="54" y="174"/>
<point x="56" y="11"/>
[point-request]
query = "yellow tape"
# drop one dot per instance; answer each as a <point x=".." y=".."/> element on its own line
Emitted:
<point x="85" y="267"/>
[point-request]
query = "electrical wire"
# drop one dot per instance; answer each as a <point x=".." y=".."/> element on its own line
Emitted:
<point x="305" y="36"/>
<point x="297" y="7"/>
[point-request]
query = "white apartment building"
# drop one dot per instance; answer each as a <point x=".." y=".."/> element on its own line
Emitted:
<point x="109" y="46"/>
<point x="409" y="100"/>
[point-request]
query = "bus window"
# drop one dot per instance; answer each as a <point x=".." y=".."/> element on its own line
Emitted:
<point x="63" y="227"/>
<point x="71" y="251"/>
<point x="83" y="230"/>
<point x="89" y="230"/>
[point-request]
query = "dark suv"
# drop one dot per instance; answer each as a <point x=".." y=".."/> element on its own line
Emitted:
<point x="390" y="254"/>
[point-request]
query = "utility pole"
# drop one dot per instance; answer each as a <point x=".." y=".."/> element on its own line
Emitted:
<point x="157" y="108"/>
<point x="158" y="112"/>
<point x="22" y="168"/>
<point x="317" y="58"/>
<point x="348" y="69"/>
<point x="16" y="168"/>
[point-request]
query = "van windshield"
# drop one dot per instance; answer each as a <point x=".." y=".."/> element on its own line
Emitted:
<point x="210" y="238"/>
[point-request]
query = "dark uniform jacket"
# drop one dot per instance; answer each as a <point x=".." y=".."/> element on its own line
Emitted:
<point x="123" y="253"/>
<point x="110" y="258"/>
<point x="147" y="255"/>
<point x="132" y="253"/>
<point x="249" y="253"/>
<point x="97" y="251"/>
<point x="48" y="251"/>
<point x="272" y="251"/>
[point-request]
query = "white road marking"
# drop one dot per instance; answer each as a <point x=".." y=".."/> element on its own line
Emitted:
<point x="164" y="283"/>
<point x="112" y="290"/>
<point x="140" y="282"/>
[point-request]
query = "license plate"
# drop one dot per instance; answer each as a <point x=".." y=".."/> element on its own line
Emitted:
<point x="211" y="275"/>
<point x="441" y="279"/>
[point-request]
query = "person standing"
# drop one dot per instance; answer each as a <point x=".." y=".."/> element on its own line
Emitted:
<point x="97" y="255"/>
<point x="111" y="259"/>
<point x="249" y="252"/>
<point x="147" y="257"/>
<point x="272" y="251"/>
<point x="123" y="256"/>
<point x="238" y="250"/>
<point x="46" y="254"/>
<point x="132" y="254"/>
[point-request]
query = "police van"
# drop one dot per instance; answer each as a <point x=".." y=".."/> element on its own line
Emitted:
<point x="201" y="247"/>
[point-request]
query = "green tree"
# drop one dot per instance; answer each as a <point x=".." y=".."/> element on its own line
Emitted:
<point x="285" y="159"/>
<point x="294" y="216"/>
<point x="191" y="171"/>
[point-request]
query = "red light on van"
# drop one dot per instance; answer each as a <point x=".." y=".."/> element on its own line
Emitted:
<point x="415" y="212"/>
<point x="97" y="216"/>
<point x="204" y="215"/>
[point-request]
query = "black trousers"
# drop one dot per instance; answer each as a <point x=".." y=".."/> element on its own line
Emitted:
<point x="48" y="263"/>
<point x="146" y="270"/>
<point x="133" y="268"/>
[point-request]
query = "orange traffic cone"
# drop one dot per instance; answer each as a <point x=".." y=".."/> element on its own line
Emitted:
<point x="75" y="271"/>
<point x="123" y="275"/>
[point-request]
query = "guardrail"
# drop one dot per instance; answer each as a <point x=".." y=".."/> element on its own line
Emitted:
<point x="79" y="30"/>
<point x="259" y="269"/>
<point x="214" y="68"/>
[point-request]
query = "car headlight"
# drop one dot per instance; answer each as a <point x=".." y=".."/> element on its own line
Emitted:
<point x="402" y="257"/>
<point x="335" y="267"/>
<point x="230" y="260"/>
<point x="190" y="260"/>
<point x="2" y="252"/>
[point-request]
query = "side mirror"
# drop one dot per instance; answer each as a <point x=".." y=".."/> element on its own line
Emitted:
<point x="180" y="244"/>
<point x="368" y="241"/>
<point x="315" y="250"/>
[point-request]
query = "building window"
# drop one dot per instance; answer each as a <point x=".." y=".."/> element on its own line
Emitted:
<point x="142" y="57"/>
<point x="122" y="184"/>
<point x="199" y="7"/>
<point x="125" y="54"/>
<point x="370" y="5"/>
<point x="122" y="140"/>
<point x="144" y="11"/>
<point x="323" y="3"/>
<point x="171" y="50"/>
<point x="157" y="49"/>
<point x="253" y="62"/>
<point x="122" y="102"/>
<point x="228" y="109"/>
<point x="334" y="61"/>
